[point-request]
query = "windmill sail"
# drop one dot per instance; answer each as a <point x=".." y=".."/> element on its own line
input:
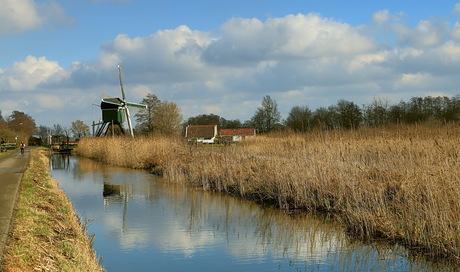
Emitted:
<point x="126" y="110"/>
<point x="136" y="105"/>
<point x="115" y="111"/>
<point x="120" y="75"/>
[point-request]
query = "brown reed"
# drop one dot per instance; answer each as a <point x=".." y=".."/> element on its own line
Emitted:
<point x="399" y="183"/>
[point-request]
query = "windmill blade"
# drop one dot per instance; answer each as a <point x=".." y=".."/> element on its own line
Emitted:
<point x="125" y="105"/>
<point x="128" y="118"/>
<point x="120" y="73"/>
<point x="131" y="104"/>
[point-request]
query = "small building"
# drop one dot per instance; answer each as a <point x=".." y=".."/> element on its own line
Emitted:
<point x="205" y="134"/>
<point x="237" y="134"/>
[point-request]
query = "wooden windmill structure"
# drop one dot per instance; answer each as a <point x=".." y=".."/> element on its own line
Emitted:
<point x="115" y="114"/>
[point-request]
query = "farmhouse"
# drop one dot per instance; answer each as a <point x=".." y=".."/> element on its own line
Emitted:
<point x="201" y="133"/>
<point x="237" y="134"/>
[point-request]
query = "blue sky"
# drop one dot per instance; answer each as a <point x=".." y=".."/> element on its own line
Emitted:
<point x="59" y="57"/>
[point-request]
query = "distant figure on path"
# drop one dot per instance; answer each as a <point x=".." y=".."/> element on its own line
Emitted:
<point x="22" y="147"/>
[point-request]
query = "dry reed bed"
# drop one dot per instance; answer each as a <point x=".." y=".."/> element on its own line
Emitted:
<point x="401" y="183"/>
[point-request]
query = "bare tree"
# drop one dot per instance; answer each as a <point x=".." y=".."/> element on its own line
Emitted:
<point x="145" y="117"/>
<point x="377" y="113"/>
<point x="167" y="118"/>
<point x="67" y="132"/>
<point x="79" y="129"/>
<point x="299" y="118"/>
<point x="349" y="115"/>
<point x="267" y="115"/>
<point x="57" y="133"/>
<point x="43" y="132"/>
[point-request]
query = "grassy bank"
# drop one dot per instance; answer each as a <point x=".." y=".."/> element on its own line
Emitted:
<point x="399" y="183"/>
<point x="3" y="154"/>
<point x="47" y="235"/>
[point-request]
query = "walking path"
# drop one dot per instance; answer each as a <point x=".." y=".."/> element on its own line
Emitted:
<point x="12" y="168"/>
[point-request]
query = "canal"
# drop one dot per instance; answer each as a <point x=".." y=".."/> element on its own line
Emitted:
<point x="140" y="223"/>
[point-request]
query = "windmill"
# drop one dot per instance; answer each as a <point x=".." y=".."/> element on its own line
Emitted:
<point x="115" y="113"/>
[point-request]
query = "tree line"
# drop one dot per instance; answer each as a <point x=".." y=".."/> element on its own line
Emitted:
<point x="348" y="115"/>
<point x="21" y="127"/>
<point x="165" y="117"/>
<point x="58" y="134"/>
<point x="344" y="115"/>
<point x="16" y="128"/>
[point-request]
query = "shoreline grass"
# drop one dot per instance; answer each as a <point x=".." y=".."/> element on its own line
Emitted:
<point x="47" y="235"/>
<point x="400" y="183"/>
<point x="4" y="154"/>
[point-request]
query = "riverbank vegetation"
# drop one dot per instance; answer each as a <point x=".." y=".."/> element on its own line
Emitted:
<point x="47" y="235"/>
<point x="6" y="153"/>
<point x="400" y="183"/>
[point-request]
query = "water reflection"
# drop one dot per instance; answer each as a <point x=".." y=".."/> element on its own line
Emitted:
<point x="143" y="224"/>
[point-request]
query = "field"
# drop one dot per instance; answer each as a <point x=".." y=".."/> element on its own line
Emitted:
<point x="397" y="183"/>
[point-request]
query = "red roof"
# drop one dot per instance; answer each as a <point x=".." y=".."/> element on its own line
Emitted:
<point x="238" y="132"/>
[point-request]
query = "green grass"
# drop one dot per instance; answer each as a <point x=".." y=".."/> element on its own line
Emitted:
<point x="47" y="234"/>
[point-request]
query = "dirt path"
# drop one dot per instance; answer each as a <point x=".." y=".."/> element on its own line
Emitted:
<point x="12" y="168"/>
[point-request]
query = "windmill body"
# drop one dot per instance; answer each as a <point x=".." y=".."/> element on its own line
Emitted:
<point x="112" y="110"/>
<point x="115" y="114"/>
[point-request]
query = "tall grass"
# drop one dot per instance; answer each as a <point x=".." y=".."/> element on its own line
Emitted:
<point x="399" y="183"/>
<point x="46" y="235"/>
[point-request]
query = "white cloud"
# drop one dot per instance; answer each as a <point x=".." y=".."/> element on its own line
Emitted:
<point x="450" y="52"/>
<point x="249" y="41"/>
<point x="163" y="56"/>
<point x="22" y="15"/>
<point x="412" y="80"/>
<point x="362" y="62"/>
<point x="49" y="101"/>
<point x="18" y="15"/>
<point x="384" y="16"/>
<point x="100" y="1"/>
<point x="28" y="74"/>
<point x="181" y="63"/>
<point x="381" y="17"/>
<point x="212" y="109"/>
<point x="8" y="106"/>
<point x="456" y="9"/>
<point x="455" y="34"/>
<point x="140" y="90"/>
<point x="297" y="59"/>
<point x="52" y="12"/>
<point x="425" y="34"/>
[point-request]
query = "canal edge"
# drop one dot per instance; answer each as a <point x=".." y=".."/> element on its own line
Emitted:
<point x="71" y="224"/>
